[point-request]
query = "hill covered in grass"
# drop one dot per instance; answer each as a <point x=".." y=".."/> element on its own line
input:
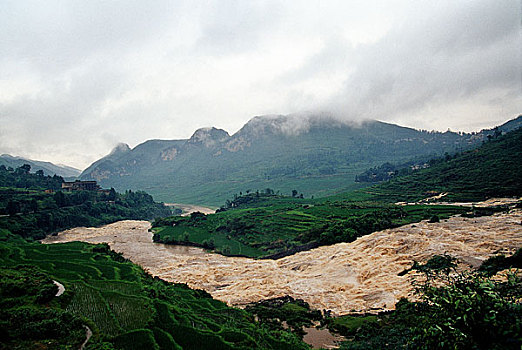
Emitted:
<point x="48" y="168"/>
<point x="263" y="224"/>
<point x="492" y="170"/>
<point x="317" y="155"/>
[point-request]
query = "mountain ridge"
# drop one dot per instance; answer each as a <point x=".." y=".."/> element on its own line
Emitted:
<point x="47" y="167"/>
<point x="317" y="155"/>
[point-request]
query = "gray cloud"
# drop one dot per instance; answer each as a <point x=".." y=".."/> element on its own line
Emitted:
<point x="78" y="77"/>
<point x="233" y="26"/>
<point x="57" y="35"/>
<point x="444" y="56"/>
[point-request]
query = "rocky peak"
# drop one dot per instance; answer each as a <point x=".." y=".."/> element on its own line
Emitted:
<point x="209" y="137"/>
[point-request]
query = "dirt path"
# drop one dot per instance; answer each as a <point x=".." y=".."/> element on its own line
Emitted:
<point x="61" y="288"/>
<point x="359" y="276"/>
<point x="88" y="335"/>
<point x="88" y="332"/>
<point x="492" y="202"/>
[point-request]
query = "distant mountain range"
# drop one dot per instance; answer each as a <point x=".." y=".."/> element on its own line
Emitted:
<point x="315" y="155"/>
<point x="47" y="167"/>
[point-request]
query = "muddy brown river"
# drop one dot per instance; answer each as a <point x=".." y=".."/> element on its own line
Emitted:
<point x="360" y="276"/>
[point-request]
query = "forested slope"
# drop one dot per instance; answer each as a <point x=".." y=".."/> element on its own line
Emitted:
<point x="33" y="205"/>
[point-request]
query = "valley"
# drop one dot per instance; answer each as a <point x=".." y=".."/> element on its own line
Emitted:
<point x="407" y="261"/>
<point x="362" y="276"/>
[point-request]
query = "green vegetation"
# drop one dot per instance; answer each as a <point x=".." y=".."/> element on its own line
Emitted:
<point x="22" y="178"/>
<point x="125" y="307"/>
<point x="296" y="313"/>
<point x="456" y="311"/>
<point x="47" y="168"/>
<point x="492" y="170"/>
<point x="387" y="171"/>
<point x="349" y="325"/>
<point x="501" y="262"/>
<point x="436" y="264"/>
<point x="29" y="317"/>
<point x="264" y="224"/>
<point x="29" y="211"/>
<point x="128" y="309"/>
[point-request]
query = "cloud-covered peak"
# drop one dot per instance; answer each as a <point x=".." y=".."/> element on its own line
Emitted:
<point x="120" y="148"/>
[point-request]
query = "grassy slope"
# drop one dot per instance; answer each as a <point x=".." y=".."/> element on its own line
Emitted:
<point x="216" y="192"/>
<point x="492" y="170"/>
<point x="123" y="305"/>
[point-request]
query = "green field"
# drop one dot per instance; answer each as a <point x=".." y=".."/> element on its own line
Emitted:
<point x="214" y="193"/>
<point x="125" y="307"/>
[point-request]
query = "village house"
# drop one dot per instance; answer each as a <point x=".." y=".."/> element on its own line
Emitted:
<point x="80" y="186"/>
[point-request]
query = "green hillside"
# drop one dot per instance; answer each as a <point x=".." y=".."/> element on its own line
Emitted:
<point x="261" y="224"/>
<point x="492" y="170"/>
<point x="268" y="225"/>
<point x="48" y="168"/>
<point x="318" y="156"/>
<point x="123" y="306"/>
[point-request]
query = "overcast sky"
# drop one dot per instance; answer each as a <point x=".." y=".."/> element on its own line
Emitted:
<point x="77" y="77"/>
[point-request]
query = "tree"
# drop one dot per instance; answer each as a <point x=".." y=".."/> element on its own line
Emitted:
<point x="13" y="207"/>
<point x="60" y="199"/>
<point x="471" y="312"/>
<point x="112" y="195"/>
<point x="209" y="244"/>
<point x="294" y="193"/>
<point x="24" y="169"/>
<point x="33" y="205"/>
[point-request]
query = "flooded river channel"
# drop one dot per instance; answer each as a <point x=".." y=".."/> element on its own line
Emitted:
<point x="360" y="276"/>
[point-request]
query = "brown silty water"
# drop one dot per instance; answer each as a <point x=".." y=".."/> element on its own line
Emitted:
<point x="360" y="276"/>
